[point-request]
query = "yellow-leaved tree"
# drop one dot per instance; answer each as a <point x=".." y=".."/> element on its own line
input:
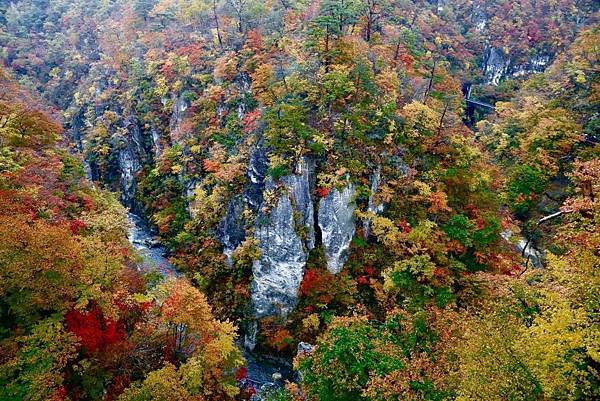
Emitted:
<point x="540" y="337"/>
<point x="203" y="349"/>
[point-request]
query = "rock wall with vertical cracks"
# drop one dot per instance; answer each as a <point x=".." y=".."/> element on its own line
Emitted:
<point x="285" y="233"/>
<point x="336" y="220"/>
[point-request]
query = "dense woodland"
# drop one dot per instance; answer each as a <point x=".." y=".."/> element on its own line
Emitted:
<point x="251" y="136"/>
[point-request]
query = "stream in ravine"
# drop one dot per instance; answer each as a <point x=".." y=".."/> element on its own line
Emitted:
<point x="152" y="252"/>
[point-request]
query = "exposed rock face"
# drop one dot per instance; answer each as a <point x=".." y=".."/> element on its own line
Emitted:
<point x="251" y="335"/>
<point x="131" y="154"/>
<point x="75" y="132"/>
<point x="232" y="227"/>
<point x="257" y="171"/>
<point x="179" y="108"/>
<point x="280" y="269"/>
<point x="129" y="166"/>
<point x="336" y="220"/>
<point x="372" y="206"/>
<point x="530" y="254"/>
<point x="534" y="65"/>
<point x="157" y="144"/>
<point x="300" y="188"/>
<point x="498" y="65"/>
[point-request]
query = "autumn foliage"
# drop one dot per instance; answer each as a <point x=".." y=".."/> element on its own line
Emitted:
<point x="465" y="134"/>
<point x="94" y="330"/>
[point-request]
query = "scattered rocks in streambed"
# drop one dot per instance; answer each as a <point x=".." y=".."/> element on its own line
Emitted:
<point x="149" y="248"/>
<point x="265" y="373"/>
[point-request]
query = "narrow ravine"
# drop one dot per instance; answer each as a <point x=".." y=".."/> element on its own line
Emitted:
<point x="263" y="372"/>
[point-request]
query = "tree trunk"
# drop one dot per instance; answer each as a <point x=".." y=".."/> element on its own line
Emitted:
<point x="430" y="86"/>
<point x="217" y="23"/>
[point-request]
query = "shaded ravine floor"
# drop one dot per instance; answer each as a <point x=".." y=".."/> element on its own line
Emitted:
<point x="151" y="251"/>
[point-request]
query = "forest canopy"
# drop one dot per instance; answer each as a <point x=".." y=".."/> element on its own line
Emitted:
<point x="352" y="200"/>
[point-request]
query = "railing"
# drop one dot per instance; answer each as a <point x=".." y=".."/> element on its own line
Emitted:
<point x="467" y="88"/>
<point x="481" y="104"/>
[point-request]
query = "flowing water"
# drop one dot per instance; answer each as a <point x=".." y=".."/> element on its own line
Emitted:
<point x="152" y="252"/>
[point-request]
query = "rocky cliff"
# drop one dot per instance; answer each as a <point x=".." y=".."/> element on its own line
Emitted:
<point x="286" y="235"/>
